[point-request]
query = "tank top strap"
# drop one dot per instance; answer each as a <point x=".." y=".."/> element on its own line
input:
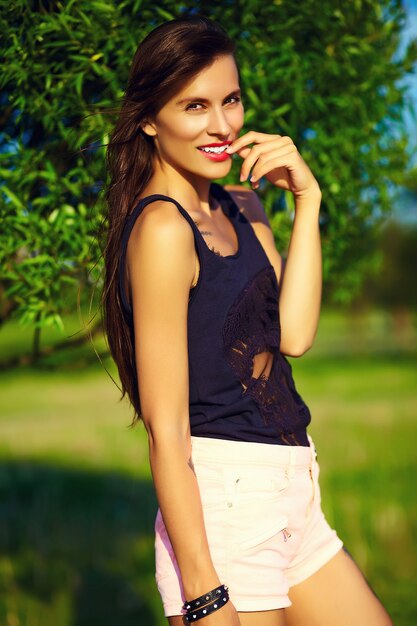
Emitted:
<point x="130" y="222"/>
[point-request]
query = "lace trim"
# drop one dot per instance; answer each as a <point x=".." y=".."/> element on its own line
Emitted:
<point x="252" y="328"/>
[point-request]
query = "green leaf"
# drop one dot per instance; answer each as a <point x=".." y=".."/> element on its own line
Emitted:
<point x="13" y="197"/>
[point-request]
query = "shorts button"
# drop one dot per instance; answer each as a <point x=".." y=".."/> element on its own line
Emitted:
<point x="229" y="504"/>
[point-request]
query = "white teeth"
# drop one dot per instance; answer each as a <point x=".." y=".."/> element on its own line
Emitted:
<point x="217" y="150"/>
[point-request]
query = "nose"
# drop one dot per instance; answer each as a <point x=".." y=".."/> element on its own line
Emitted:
<point x="218" y="124"/>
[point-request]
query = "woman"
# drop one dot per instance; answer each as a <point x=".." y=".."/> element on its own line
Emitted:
<point x="199" y="314"/>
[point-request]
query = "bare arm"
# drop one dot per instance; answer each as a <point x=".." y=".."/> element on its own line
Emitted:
<point x="161" y="264"/>
<point x="301" y="282"/>
<point x="301" y="287"/>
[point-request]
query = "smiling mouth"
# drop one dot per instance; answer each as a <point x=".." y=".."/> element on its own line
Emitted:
<point x="215" y="149"/>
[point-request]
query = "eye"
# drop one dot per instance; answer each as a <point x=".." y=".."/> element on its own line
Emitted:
<point x="235" y="98"/>
<point x="190" y="107"/>
<point x="194" y="106"/>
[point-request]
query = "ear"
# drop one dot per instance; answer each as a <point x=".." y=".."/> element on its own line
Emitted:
<point x="149" y="128"/>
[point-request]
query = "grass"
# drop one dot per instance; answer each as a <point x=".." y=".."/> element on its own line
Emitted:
<point x="77" y="504"/>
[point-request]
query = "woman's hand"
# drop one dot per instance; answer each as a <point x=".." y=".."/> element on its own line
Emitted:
<point x="277" y="158"/>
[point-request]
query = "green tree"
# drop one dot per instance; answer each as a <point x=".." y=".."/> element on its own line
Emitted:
<point x="329" y="78"/>
<point x="395" y="286"/>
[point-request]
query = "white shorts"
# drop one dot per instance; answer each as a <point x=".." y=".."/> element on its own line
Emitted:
<point x="263" y="518"/>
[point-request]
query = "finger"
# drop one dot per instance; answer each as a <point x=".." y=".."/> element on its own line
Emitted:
<point x="253" y="155"/>
<point x="272" y="162"/>
<point x="261" y="151"/>
<point x="249" y="137"/>
<point x="243" y="152"/>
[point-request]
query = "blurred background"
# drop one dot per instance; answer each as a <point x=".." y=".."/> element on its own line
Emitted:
<point x="77" y="504"/>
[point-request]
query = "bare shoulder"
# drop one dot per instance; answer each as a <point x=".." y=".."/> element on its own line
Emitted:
<point x="160" y="224"/>
<point x="161" y="219"/>
<point x="250" y="205"/>
<point x="162" y="238"/>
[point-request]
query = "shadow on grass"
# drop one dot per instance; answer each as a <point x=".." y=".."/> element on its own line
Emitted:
<point x="71" y="358"/>
<point x="76" y="547"/>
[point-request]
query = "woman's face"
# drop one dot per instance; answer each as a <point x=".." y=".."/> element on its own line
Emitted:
<point x="208" y="110"/>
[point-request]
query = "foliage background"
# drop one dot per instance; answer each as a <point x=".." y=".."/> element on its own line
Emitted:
<point x="76" y="499"/>
<point x="330" y="79"/>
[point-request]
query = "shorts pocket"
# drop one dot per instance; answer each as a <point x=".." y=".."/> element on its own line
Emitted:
<point x="260" y="484"/>
<point x="263" y="533"/>
<point x="258" y="510"/>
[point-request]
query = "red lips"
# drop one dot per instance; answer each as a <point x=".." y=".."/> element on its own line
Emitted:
<point x="216" y="145"/>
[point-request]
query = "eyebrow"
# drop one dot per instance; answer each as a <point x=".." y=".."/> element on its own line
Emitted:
<point x="236" y="92"/>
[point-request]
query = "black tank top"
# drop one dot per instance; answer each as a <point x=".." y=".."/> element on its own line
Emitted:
<point x="240" y="385"/>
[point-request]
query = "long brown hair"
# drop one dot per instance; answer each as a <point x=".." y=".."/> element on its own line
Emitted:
<point x="169" y="56"/>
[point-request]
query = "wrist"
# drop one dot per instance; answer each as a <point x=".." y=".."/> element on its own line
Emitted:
<point x="309" y="203"/>
<point x="201" y="585"/>
<point x="312" y="194"/>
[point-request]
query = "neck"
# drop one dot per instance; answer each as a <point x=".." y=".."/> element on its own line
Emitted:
<point x="189" y="190"/>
